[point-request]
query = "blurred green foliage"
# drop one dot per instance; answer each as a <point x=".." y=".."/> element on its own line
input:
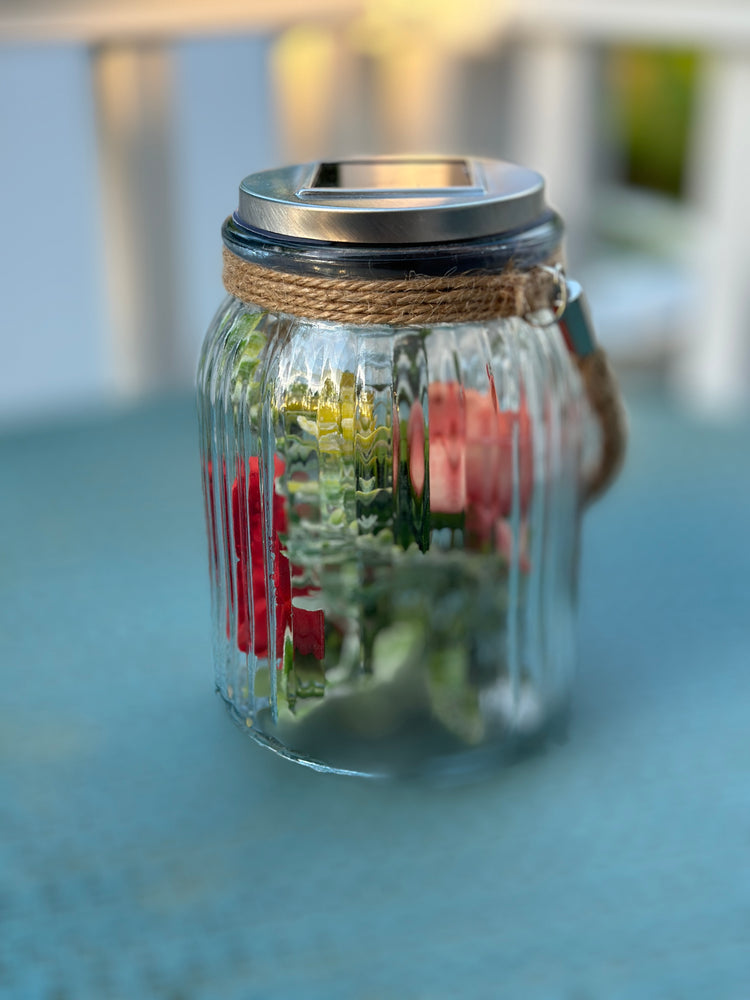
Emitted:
<point x="652" y="93"/>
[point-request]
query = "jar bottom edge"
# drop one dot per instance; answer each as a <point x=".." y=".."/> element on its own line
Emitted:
<point x="456" y="767"/>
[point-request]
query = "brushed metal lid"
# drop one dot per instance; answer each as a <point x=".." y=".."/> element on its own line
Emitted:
<point x="392" y="200"/>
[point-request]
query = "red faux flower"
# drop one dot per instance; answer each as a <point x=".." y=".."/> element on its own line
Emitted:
<point x="307" y="627"/>
<point x="471" y="457"/>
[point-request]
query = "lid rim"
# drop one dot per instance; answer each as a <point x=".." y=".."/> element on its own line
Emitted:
<point x="532" y="244"/>
<point x="270" y="201"/>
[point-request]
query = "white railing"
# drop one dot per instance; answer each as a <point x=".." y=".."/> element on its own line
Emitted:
<point x="552" y="97"/>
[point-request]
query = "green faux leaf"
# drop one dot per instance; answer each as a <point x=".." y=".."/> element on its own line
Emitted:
<point x="242" y="328"/>
<point x="454" y="700"/>
<point x="248" y="343"/>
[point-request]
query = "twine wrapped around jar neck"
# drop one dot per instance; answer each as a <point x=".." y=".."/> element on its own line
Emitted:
<point x="451" y="298"/>
<point x="415" y="300"/>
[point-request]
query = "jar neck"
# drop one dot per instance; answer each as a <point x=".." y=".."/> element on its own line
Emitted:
<point x="525" y="249"/>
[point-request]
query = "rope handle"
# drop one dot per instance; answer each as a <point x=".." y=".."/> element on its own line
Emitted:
<point x="605" y="401"/>
<point x="568" y="309"/>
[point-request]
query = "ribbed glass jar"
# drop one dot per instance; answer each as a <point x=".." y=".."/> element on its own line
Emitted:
<point x="393" y="485"/>
<point x="393" y="532"/>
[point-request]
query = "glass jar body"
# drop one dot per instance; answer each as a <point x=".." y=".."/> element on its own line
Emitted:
<point x="393" y="519"/>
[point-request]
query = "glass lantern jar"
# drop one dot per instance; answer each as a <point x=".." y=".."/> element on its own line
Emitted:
<point x="392" y="425"/>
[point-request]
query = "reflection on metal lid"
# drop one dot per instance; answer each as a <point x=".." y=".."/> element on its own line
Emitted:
<point x="392" y="200"/>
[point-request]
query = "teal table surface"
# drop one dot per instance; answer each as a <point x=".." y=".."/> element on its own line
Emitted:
<point x="149" y="849"/>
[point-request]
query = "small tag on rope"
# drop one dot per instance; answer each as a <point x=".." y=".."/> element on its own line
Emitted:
<point x="575" y="322"/>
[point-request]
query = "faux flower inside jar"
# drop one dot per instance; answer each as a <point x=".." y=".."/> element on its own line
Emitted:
<point x="402" y="415"/>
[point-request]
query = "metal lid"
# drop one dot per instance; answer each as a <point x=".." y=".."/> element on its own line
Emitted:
<point x="392" y="200"/>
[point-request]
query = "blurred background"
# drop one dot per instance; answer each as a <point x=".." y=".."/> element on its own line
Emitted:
<point x="147" y="849"/>
<point x="127" y="126"/>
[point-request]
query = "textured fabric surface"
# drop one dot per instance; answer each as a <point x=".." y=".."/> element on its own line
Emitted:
<point x="149" y="849"/>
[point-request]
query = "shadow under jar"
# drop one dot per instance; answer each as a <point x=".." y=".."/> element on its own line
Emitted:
<point x="393" y="424"/>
